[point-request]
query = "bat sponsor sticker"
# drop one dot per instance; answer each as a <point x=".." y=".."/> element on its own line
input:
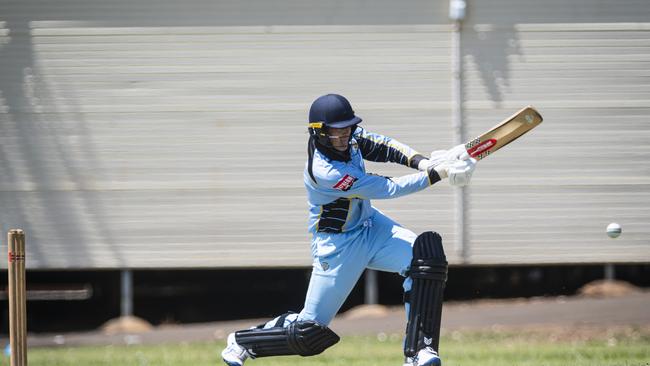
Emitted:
<point x="345" y="183"/>
<point x="481" y="148"/>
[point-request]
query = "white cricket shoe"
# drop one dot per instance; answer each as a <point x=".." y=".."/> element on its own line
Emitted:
<point x="234" y="354"/>
<point x="427" y="357"/>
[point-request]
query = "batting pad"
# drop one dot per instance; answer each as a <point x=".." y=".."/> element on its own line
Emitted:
<point x="429" y="273"/>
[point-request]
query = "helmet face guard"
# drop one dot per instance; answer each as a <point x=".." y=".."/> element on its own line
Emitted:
<point x="319" y="131"/>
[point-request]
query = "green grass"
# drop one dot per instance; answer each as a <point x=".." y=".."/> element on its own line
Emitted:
<point x="458" y="349"/>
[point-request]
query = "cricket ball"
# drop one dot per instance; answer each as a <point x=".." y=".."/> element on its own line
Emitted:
<point x="614" y="230"/>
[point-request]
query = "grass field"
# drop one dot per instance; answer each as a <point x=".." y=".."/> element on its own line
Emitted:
<point x="458" y="349"/>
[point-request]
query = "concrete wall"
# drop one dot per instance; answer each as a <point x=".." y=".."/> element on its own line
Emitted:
<point x="141" y="134"/>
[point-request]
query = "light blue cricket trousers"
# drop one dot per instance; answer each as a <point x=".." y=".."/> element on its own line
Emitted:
<point x="340" y="259"/>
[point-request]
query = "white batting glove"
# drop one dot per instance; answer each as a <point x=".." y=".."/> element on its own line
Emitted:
<point x="457" y="152"/>
<point x="438" y="157"/>
<point x="460" y="172"/>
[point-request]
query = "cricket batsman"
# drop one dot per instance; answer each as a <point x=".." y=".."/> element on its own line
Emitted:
<point x="350" y="235"/>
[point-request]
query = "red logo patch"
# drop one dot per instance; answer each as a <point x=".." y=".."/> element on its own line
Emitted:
<point x="482" y="147"/>
<point x="345" y="183"/>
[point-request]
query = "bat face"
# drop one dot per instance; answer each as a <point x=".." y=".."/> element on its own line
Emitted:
<point x="504" y="133"/>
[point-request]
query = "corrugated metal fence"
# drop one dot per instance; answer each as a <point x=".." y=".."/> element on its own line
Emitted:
<point x="141" y="135"/>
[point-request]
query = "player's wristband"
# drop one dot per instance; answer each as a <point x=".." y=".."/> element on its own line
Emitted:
<point x="414" y="162"/>
<point x="424" y="165"/>
<point x="441" y="170"/>
<point x="433" y="175"/>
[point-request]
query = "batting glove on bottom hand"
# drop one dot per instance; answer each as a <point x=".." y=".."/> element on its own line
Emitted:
<point x="459" y="172"/>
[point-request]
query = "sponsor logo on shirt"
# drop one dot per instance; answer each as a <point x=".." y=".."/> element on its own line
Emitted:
<point x="345" y="183"/>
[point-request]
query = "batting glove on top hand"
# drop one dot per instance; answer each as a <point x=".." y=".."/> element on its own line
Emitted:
<point x="457" y="152"/>
<point x="441" y="156"/>
<point x="437" y="157"/>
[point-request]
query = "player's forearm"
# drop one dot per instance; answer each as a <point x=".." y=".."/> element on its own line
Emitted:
<point x="396" y="152"/>
<point x="380" y="148"/>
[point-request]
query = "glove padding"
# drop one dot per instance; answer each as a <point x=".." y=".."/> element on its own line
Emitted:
<point x="438" y="157"/>
<point x="460" y="172"/>
<point x="457" y="152"/>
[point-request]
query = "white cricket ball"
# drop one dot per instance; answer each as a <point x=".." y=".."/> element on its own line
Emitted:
<point x="614" y="230"/>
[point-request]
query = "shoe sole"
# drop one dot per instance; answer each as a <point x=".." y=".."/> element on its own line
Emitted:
<point x="430" y="363"/>
<point x="232" y="363"/>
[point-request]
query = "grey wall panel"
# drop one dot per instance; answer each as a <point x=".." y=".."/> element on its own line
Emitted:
<point x="549" y="197"/>
<point x="183" y="146"/>
<point x="557" y="11"/>
<point x="160" y="228"/>
<point x="228" y="12"/>
<point x="547" y="223"/>
<point x="142" y="135"/>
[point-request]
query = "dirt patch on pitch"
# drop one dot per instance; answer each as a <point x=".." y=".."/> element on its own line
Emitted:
<point x="608" y="288"/>
<point x="366" y="312"/>
<point x="126" y="324"/>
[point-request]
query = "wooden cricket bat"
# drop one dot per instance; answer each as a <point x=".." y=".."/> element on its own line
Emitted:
<point x="503" y="133"/>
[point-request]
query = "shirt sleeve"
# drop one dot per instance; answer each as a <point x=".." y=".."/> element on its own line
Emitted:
<point x="370" y="186"/>
<point x="376" y="147"/>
